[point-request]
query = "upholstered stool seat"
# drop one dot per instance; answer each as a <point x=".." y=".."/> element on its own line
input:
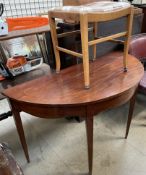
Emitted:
<point x="95" y="7"/>
<point x="91" y="13"/>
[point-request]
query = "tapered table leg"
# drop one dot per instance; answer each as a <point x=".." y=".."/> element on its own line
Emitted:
<point x="130" y="114"/>
<point x="18" y="122"/>
<point x="89" y="130"/>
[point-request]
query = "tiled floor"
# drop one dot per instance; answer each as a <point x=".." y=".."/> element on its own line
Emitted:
<point x="58" y="147"/>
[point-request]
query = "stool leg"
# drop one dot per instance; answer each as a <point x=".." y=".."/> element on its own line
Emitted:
<point x="94" y="46"/>
<point x="85" y="49"/>
<point x="125" y="56"/>
<point x="127" y="40"/>
<point x="55" y="42"/>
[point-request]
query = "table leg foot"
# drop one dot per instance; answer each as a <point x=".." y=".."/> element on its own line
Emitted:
<point x="18" y="122"/>
<point x="130" y="114"/>
<point x="89" y="130"/>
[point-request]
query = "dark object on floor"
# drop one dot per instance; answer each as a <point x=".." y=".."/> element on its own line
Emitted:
<point x="76" y="118"/>
<point x="5" y="115"/>
<point x="8" y="165"/>
<point x="138" y="49"/>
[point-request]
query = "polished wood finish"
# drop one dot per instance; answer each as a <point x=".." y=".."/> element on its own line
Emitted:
<point x="55" y="96"/>
<point x="84" y="18"/>
<point x="44" y="69"/>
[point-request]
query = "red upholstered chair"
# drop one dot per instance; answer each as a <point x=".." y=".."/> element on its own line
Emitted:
<point x="137" y="48"/>
<point x="8" y="164"/>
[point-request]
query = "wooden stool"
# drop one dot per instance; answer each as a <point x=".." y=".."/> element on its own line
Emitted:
<point x="90" y="13"/>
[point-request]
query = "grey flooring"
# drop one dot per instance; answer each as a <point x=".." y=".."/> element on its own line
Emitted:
<point x="58" y="146"/>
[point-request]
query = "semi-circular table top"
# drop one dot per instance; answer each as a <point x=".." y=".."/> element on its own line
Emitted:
<point x="67" y="88"/>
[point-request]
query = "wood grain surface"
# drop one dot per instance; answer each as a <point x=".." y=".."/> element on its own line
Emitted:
<point x="44" y="69"/>
<point x="66" y="88"/>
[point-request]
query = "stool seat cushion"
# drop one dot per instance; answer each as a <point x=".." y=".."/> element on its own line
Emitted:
<point x="101" y="6"/>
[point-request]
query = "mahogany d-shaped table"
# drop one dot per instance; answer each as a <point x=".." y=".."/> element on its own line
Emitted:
<point x="58" y="95"/>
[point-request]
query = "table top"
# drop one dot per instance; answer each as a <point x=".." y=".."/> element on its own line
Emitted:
<point x="26" y="32"/>
<point x="27" y="76"/>
<point x="67" y="87"/>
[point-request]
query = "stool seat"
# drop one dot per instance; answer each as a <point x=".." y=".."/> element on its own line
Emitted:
<point x="95" y="7"/>
<point x="72" y="13"/>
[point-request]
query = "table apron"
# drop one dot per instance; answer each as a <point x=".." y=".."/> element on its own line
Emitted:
<point x="44" y="111"/>
<point x="83" y="110"/>
<point x="94" y="109"/>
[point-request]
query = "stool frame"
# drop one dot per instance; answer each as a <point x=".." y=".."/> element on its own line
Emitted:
<point x="84" y="18"/>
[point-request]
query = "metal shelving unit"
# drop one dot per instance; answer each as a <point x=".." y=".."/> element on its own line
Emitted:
<point x="20" y="8"/>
